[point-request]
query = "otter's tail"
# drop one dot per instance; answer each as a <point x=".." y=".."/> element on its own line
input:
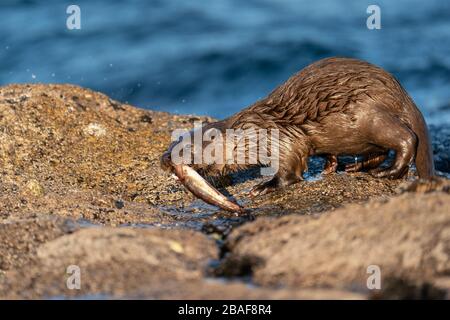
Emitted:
<point x="424" y="152"/>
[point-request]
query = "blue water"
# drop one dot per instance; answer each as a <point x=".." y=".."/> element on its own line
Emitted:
<point x="216" y="57"/>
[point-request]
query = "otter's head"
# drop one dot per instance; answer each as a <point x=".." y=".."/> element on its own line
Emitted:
<point x="202" y="149"/>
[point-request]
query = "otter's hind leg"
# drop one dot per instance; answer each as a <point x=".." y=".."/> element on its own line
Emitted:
<point x="331" y="165"/>
<point x="371" y="162"/>
<point x="389" y="132"/>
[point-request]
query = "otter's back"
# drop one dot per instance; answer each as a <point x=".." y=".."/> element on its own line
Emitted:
<point x="332" y="85"/>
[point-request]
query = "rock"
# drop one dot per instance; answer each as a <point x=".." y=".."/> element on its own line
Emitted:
<point x="426" y="185"/>
<point x="83" y="149"/>
<point x="226" y="290"/>
<point x="408" y="237"/>
<point x="150" y="255"/>
<point x="20" y="239"/>
<point x="160" y="264"/>
<point x="324" y="194"/>
<point x="44" y="140"/>
<point x="74" y="161"/>
<point x="35" y="188"/>
<point x="94" y="129"/>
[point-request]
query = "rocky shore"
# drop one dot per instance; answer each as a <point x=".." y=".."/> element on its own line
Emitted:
<point x="81" y="185"/>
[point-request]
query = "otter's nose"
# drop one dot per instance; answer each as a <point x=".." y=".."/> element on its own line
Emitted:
<point x="166" y="161"/>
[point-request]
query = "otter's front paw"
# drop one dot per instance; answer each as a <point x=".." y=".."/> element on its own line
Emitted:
<point x="264" y="187"/>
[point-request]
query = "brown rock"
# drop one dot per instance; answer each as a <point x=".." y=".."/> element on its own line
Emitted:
<point x="72" y="158"/>
<point x="63" y="146"/>
<point x="136" y="263"/>
<point x="111" y="261"/>
<point x="408" y="237"/>
<point x="19" y="239"/>
<point x="35" y="188"/>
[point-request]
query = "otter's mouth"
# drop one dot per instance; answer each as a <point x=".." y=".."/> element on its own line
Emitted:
<point x="199" y="187"/>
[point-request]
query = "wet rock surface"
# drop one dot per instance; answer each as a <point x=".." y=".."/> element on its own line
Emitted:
<point x="81" y="185"/>
<point x="407" y="237"/>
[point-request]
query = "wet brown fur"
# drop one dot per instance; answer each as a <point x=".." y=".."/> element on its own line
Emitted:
<point x="333" y="107"/>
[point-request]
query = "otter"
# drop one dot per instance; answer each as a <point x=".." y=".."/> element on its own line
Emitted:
<point x="333" y="107"/>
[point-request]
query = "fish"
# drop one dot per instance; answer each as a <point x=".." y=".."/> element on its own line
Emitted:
<point x="202" y="189"/>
